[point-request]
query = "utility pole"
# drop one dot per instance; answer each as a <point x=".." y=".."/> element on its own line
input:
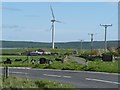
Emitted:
<point x="81" y="41"/>
<point x="105" y="42"/>
<point x="91" y="40"/>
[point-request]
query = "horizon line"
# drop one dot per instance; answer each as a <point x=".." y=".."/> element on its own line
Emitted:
<point x="55" y="42"/>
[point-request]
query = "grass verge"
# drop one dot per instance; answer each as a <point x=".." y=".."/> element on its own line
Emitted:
<point x="17" y="82"/>
<point x="97" y="65"/>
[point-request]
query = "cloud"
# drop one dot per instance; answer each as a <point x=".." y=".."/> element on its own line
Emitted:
<point x="10" y="26"/>
<point x="36" y="16"/>
<point x="11" y="9"/>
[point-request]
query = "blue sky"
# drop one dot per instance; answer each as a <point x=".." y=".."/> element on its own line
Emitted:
<point x="30" y="21"/>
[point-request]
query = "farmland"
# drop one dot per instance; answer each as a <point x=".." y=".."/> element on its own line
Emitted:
<point x="51" y="45"/>
<point x="66" y="54"/>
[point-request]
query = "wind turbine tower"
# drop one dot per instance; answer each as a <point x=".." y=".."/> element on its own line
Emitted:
<point x="53" y="27"/>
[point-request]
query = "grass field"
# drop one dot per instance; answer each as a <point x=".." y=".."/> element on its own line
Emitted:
<point x="97" y="65"/>
<point x="17" y="82"/>
<point x="101" y="66"/>
<point x="22" y="50"/>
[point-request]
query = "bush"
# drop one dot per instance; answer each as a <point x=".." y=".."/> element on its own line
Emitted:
<point x="93" y="52"/>
<point x="111" y="53"/>
<point x="18" y="59"/>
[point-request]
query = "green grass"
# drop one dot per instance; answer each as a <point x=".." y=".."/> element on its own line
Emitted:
<point x="98" y="66"/>
<point x="24" y="62"/>
<point x="13" y="57"/>
<point x="21" y="50"/>
<point x="17" y="82"/>
<point x="70" y="65"/>
<point x="17" y="51"/>
<point x="58" y="65"/>
<point x="61" y="51"/>
<point x="102" y="66"/>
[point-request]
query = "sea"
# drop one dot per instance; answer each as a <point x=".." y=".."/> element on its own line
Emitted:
<point x="7" y="48"/>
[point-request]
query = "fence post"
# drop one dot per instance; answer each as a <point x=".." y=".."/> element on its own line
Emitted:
<point x="6" y="72"/>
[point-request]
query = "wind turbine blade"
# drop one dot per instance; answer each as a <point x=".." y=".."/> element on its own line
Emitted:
<point x="58" y="21"/>
<point x="48" y="30"/>
<point x="52" y="13"/>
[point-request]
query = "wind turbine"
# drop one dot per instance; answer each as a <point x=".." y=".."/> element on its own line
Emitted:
<point x="53" y="27"/>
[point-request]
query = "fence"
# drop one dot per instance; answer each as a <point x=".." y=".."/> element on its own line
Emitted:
<point x="5" y="72"/>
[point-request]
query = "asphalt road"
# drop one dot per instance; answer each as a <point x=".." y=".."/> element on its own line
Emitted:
<point x="80" y="79"/>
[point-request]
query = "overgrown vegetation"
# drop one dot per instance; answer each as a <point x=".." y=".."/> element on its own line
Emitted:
<point x="112" y="53"/>
<point x="17" y="82"/>
<point x="102" y="66"/>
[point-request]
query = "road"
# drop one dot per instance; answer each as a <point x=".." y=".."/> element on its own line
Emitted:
<point x="80" y="79"/>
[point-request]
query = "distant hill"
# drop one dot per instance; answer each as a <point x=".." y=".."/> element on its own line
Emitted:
<point x="74" y="45"/>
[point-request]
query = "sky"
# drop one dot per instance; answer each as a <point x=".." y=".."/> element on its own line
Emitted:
<point x="31" y="21"/>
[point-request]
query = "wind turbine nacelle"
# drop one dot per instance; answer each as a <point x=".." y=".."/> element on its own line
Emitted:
<point x="52" y="20"/>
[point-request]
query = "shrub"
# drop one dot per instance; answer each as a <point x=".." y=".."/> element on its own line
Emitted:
<point x="18" y="59"/>
<point x="111" y="53"/>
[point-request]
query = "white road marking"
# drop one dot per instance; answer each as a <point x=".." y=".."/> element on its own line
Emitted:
<point x="99" y="80"/>
<point x="67" y="76"/>
<point x="20" y="67"/>
<point x="19" y="72"/>
<point x="17" y="67"/>
<point x="52" y="75"/>
<point x="56" y="76"/>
